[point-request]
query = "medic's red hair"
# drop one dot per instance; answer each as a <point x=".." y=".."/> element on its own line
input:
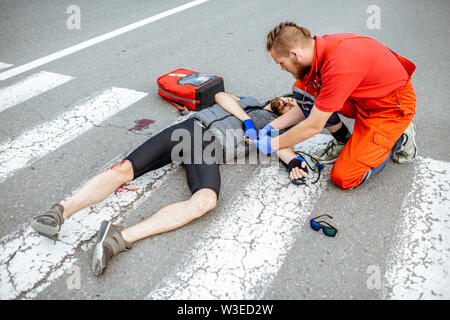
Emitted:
<point x="287" y="35"/>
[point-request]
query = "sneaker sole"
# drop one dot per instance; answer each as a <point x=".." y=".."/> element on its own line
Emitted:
<point x="415" y="127"/>
<point x="45" y="230"/>
<point x="98" y="265"/>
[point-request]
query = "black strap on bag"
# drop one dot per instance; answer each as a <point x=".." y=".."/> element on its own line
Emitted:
<point x="183" y="109"/>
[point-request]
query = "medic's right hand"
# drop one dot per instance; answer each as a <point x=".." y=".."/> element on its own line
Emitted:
<point x="267" y="130"/>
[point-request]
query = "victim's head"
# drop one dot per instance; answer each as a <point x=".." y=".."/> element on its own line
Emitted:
<point x="281" y="105"/>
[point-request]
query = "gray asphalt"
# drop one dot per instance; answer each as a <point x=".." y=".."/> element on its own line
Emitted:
<point x="225" y="38"/>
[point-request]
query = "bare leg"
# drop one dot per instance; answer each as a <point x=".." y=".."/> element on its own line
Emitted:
<point x="98" y="188"/>
<point x="173" y="216"/>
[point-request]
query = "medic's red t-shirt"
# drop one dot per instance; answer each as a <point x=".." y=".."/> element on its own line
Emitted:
<point x="355" y="68"/>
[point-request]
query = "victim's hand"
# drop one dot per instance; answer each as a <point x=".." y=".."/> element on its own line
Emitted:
<point x="297" y="168"/>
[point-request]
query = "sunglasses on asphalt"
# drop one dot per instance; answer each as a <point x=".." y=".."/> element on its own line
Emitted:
<point x="327" y="228"/>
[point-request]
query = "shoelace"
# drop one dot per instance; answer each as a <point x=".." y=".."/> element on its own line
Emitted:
<point x="329" y="148"/>
<point x="400" y="150"/>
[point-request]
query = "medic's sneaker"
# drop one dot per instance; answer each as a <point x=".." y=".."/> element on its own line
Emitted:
<point x="330" y="153"/>
<point x="109" y="243"/>
<point x="408" y="150"/>
<point x="49" y="223"/>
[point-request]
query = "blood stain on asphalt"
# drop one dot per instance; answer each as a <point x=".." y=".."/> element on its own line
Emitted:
<point x="141" y="124"/>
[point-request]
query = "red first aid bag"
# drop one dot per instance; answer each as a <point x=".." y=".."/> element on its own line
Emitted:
<point x="189" y="90"/>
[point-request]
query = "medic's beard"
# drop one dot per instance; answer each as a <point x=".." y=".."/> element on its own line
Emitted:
<point x="301" y="71"/>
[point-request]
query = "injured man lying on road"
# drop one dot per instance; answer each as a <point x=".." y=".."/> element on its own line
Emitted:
<point x="205" y="143"/>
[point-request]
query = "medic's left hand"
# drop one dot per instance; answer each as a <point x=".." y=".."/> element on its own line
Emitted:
<point x="263" y="144"/>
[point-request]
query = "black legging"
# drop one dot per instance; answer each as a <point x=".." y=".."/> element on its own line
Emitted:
<point x="156" y="153"/>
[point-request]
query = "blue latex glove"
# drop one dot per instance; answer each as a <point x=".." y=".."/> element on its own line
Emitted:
<point x="263" y="144"/>
<point x="266" y="131"/>
<point x="250" y="130"/>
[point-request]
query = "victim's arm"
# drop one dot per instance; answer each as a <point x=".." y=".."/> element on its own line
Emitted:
<point x="230" y="104"/>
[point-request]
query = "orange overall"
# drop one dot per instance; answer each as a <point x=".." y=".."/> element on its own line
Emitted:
<point x="379" y="122"/>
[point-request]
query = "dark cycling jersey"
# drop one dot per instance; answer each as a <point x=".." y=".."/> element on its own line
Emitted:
<point x="201" y="171"/>
<point x="229" y="130"/>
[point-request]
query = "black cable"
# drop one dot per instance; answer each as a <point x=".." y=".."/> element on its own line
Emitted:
<point x="318" y="167"/>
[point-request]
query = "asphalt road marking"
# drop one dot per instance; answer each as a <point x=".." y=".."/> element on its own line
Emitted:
<point x="30" y="87"/>
<point x="47" y="137"/>
<point x="4" y="65"/>
<point x="29" y="263"/>
<point x="86" y="44"/>
<point x="245" y="247"/>
<point x="419" y="266"/>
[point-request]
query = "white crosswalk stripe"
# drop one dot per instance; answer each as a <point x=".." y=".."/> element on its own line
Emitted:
<point x="4" y="65"/>
<point x="244" y="249"/>
<point x="420" y="261"/>
<point x="93" y="41"/>
<point x="30" y="87"/>
<point x="47" y="137"/>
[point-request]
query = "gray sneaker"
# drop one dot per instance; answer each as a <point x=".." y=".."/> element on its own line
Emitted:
<point x="49" y="223"/>
<point x="408" y="150"/>
<point x="109" y="243"/>
<point x="330" y="153"/>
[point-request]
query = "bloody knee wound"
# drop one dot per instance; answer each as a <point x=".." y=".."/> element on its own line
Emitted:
<point x="117" y="165"/>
